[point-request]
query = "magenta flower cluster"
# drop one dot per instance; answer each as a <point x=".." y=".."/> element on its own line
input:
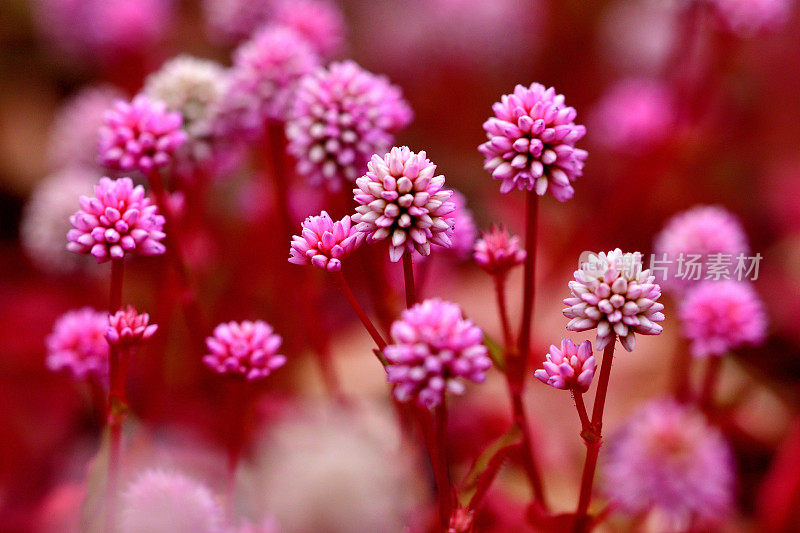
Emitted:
<point x="341" y="116"/>
<point x="127" y="327"/>
<point x="247" y="349"/>
<point x="569" y="368"/>
<point x="319" y="21"/>
<point x="140" y="135"/>
<point x="324" y="243"/>
<point x="612" y="293"/>
<point x="77" y="345"/>
<point x="497" y="252"/>
<point x="531" y="142"/>
<point x="718" y="316"/>
<point x="434" y="346"/>
<point x="400" y="198"/>
<point x="119" y="219"/>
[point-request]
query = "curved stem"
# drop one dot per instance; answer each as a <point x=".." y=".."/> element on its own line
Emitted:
<point x="528" y="457"/>
<point x="581" y="407"/>
<point x="362" y="315"/>
<point x="500" y="292"/>
<point x="408" y="277"/>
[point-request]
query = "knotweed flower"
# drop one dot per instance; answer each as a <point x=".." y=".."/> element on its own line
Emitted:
<point x="263" y="80"/>
<point x="569" y="368"/>
<point x="193" y="87"/>
<point x="248" y="349"/>
<point x="319" y="21"/>
<point x="45" y="220"/>
<point x="718" y="316"/>
<point x="434" y="346"/>
<point x="497" y="252"/>
<point x="667" y="458"/>
<point x="127" y="327"/>
<point x="750" y="17"/>
<point x="141" y="135"/>
<point x="119" y="219"/>
<point x="612" y="293"/>
<point x="169" y="502"/>
<point x="341" y="116"/>
<point x="72" y="138"/>
<point x="324" y="243"/>
<point x="231" y="21"/>
<point x="77" y="344"/>
<point x="400" y="198"/>
<point x="532" y="142"/>
<point x="634" y="115"/>
<point x="700" y="231"/>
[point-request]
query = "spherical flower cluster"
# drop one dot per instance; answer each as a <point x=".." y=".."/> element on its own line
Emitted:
<point x="319" y="21"/>
<point x="434" y="346"/>
<point x="702" y="230"/>
<point x="231" y="21"/>
<point x="248" y="349"/>
<point x="667" y="458"/>
<point x="612" y="293"/>
<point x="77" y="344"/>
<point x="718" y="316"/>
<point x="72" y="138"/>
<point x="400" y="198"/>
<point x="569" y="368"/>
<point x="193" y="87"/>
<point x="127" y="327"/>
<point x="169" y="502"/>
<point x="324" y="243"/>
<point x="341" y="116"/>
<point x="464" y="230"/>
<point x="497" y="252"/>
<point x="45" y="220"/>
<point x="119" y="219"/>
<point x="634" y="115"/>
<point x="263" y="80"/>
<point x="532" y="142"/>
<point x="749" y="17"/>
<point x="141" y="135"/>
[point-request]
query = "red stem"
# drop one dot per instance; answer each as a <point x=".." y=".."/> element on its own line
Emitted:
<point x="408" y="276"/>
<point x="528" y="456"/>
<point x="500" y="292"/>
<point x="434" y="427"/>
<point x="362" y="315"/>
<point x="116" y="405"/>
<point x="581" y="407"/>
<point x="529" y="290"/>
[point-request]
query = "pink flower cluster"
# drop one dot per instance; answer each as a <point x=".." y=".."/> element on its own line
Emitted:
<point x="247" y="349"/>
<point x="464" y="230"/>
<point x="324" y="243"/>
<point x="119" y="219"/>
<point x="400" y="198"/>
<point x="141" y="135"/>
<point x="320" y="22"/>
<point x="612" y="293"/>
<point x="531" y="142"/>
<point x="569" y="368"/>
<point x="497" y="252"/>
<point x="434" y="346"/>
<point x="341" y="116"/>
<point x="77" y="344"/>
<point x="126" y="327"/>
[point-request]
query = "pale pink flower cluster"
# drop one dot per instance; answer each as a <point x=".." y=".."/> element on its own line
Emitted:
<point x="324" y="243"/>
<point x="434" y="346"/>
<point x="126" y="327"/>
<point x="77" y="344"/>
<point x="247" y="349"/>
<point x="400" y="198"/>
<point x="569" y="368"/>
<point x="612" y="293"/>
<point x="497" y="251"/>
<point x="119" y="219"/>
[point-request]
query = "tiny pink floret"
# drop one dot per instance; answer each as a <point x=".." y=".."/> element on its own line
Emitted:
<point x="126" y="327"/>
<point x="247" y="349"/>
<point x="497" y="252"/>
<point x="324" y="243"/>
<point x="569" y="368"/>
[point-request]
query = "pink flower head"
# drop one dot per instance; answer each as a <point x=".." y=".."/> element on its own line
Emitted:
<point x="324" y="243"/>
<point x="141" y="135"/>
<point x="119" y="219"/>
<point x="612" y="293"/>
<point x="434" y="346"/>
<point x="127" y="327"/>
<point x="263" y="80"/>
<point x="169" y="502"/>
<point x="400" y="198"/>
<point x="248" y="349"/>
<point x="700" y="231"/>
<point x="667" y="458"/>
<point x="532" y="142"/>
<point x="570" y="368"/>
<point x="750" y="17"/>
<point x="719" y="316"/>
<point x="497" y="252"/>
<point x="319" y="21"/>
<point x="342" y="115"/>
<point x="634" y="115"/>
<point x="77" y="344"/>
